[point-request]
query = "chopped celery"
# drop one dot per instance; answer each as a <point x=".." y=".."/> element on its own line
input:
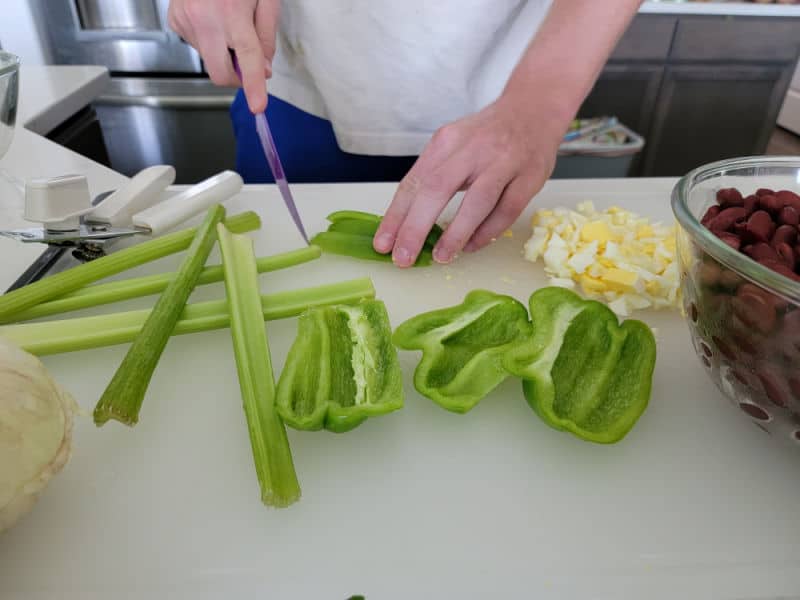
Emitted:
<point x="271" y="453"/>
<point x="127" y="258"/>
<point x="84" y="333"/>
<point x="106" y="293"/>
<point x="123" y="397"/>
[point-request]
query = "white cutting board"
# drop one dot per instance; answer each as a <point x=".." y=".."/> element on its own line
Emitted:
<point x="695" y="503"/>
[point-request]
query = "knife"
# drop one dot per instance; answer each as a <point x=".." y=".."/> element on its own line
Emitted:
<point x="274" y="161"/>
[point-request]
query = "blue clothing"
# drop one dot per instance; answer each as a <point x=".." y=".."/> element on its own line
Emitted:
<point x="307" y="147"/>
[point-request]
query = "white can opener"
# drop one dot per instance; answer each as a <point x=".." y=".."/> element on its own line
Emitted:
<point x="63" y="207"/>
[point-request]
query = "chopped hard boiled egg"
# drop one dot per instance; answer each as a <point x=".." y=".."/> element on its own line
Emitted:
<point x="614" y="255"/>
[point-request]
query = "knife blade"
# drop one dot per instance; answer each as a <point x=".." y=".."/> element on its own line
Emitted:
<point x="274" y="161"/>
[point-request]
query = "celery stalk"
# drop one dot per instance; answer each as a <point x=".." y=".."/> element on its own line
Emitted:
<point x="85" y="333"/>
<point x="271" y="453"/>
<point x="116" y="291"/>
<point x="124" y="395"/>
<point x="105" y="266"/>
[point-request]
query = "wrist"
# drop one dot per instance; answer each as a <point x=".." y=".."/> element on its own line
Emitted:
<point x="543" y="107"/>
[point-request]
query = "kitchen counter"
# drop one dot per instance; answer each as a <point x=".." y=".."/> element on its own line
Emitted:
<point x="695" y="503"/>
<point x="741" y="9"/>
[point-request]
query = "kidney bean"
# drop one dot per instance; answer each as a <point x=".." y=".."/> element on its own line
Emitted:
<point x="745" y="337"/>
<point x="788" y="198"/>
<point x="725" y="219"/>
<point x="760" y="226"/>
<point x="708" y="273"/>
<point x="740" y="229"/>
<point x="786" y="254"/>
<point x="712" y="212"/>
<point x="731" y="239"/>
<point x="751" y="203"/>
<point x="730" y="280"/>
<point x="760" y="251"/>
<point x="789" y="216"/>
<point x="754" y="311"/>
<point x="794" y="385"/>
<point x="750" y="288"/>
<point x="770" y="203"/>
<point x="723" y="348"/>
<point x="785" y="234"/>
<point x="764" y="192"/>
<point x="744" y="344"/>
<point x="786" y="346"/>
<point x="739" y="376"/>
<point x="772" y="382"/>
<point x="797" y="253"/>
<point x="728" y="197"/>
<point x="791" y="324"/>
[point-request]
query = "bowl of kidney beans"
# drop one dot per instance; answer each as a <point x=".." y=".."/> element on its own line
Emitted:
<point x="739" y="257"/>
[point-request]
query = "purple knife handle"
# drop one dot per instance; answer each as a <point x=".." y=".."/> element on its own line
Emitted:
<point x="274" y="161"/>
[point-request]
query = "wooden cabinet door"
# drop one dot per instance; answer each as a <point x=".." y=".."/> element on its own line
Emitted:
<point x="710" y="112"/>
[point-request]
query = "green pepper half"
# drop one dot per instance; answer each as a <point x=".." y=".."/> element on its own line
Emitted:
<point x="463" y="347"/>
<point x="582" y="371"/>
<point x="341" y="369"/>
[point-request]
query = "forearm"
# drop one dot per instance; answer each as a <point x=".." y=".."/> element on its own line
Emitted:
<point x="567" y="54"/>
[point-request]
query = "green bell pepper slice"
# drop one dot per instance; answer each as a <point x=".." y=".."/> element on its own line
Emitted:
<point x="583" y="372"/>
<point x="369" y="222"/>
<point x="360" y="246"/>
<point x="341" y="369"/>
<point x="351" y="232"/>
<point x="463" y="347"/>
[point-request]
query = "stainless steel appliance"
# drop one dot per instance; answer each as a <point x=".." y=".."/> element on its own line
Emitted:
<point x="160" y="107"/>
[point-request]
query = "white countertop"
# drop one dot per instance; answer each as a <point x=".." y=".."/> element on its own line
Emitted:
<point x="744" y="9"/>
<point x="696" y="503"/>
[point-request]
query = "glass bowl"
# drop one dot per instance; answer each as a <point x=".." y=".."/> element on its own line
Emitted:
<point x="9" y="91"/>
<point x="743" y="316"/>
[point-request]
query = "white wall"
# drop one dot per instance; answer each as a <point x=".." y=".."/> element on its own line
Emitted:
<point x="20" y="33"/>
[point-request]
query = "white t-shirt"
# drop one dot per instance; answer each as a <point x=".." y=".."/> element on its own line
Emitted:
<point x="388" y="73"/>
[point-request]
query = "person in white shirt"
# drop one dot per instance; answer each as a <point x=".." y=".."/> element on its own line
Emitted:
<point x="478" y="92"/>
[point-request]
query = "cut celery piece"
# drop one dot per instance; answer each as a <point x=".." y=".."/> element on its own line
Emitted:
<point x="85" y="333"/>
<point x="123" y="397"/>
<point x="116" y="291"/>
<point x="272" y="456"/>
<point x="105" y="266"/>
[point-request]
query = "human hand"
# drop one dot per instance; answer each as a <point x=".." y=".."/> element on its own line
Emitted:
<point x="500" y="156"/>
<point x="248" y="27"/>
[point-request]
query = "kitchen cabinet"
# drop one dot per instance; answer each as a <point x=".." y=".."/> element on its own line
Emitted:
<point x="697" y="88"/>
<point x="705" y="113"/>
<point x="627" y="91"/>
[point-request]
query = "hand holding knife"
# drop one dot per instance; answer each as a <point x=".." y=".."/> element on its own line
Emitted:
<point x="274" y="161"/>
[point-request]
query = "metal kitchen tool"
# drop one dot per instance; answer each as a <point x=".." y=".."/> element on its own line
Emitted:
<point x="62" y="206"/>
<point x="48" y="259"/>
<point x="274" y="161"/>
<point x="69" y="220"/>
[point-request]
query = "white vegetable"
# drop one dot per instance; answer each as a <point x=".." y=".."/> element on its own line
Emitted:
<point x="35" y="431"/>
